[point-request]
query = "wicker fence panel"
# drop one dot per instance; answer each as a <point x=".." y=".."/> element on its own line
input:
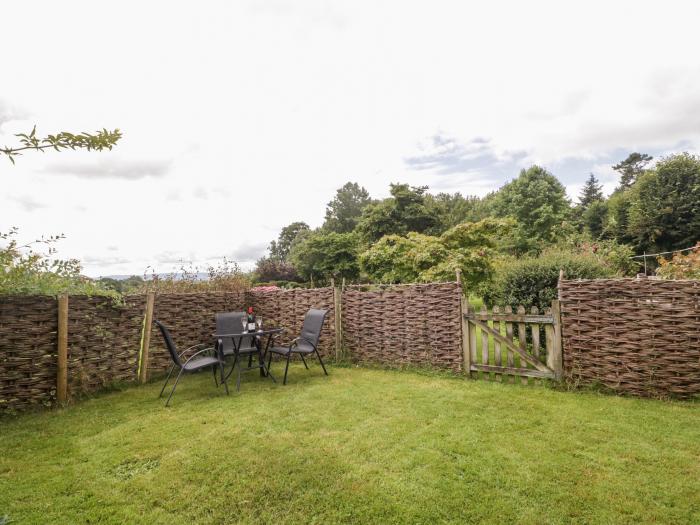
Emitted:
<point x="103" y="341"/>
<point x="286" y="309"/>
<point x="404" y="325"/>
<point x="636" y="336"/>
<point x="28" y="362"/>
<point x="190" y="319"/>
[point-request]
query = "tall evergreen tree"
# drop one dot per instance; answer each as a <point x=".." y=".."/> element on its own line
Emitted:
<point x="631" y="168"/>
<point x="592" y="191"/>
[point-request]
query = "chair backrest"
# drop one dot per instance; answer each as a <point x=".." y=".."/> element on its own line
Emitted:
<point x="231" y="323"/>
<point x="313" y="323"/>
<point x="169" y="343"/>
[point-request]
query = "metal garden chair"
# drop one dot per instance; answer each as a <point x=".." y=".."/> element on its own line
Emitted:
<point x="305" y="344"/>
<point x="194" y="363"/>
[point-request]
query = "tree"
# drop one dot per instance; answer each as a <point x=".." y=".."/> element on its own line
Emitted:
<point x="98" y="141"/>
<point x="322" y="255"/>
<point x="594" y="217"/>
<point x="416" y="257"/>
<point x="279" y="249"/>
<point x="631" y="168"/>
<point x="538" y="203"/>
<point x="405" y="211"/>
<point x="267" y="269"/>
<point x="451" y="209"/>
<point x="664" y="211"/>
<point x="344" y="211"/>
<point x="592" y="192"/>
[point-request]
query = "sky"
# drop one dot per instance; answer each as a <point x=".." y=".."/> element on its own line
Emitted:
<point x="239" y="118"/>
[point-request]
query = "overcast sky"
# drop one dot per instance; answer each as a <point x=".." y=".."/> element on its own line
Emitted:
<point x="241" y="117"/>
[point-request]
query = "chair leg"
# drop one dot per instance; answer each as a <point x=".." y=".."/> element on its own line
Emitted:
<point x="304" y="360"/>
<point x="286" y="368"/>
<point x="250" y="360"/>
<point x="321" y="361"/>
<point x="269" y="361"/>
<point x="166" y="381"/>
<point x="213" y="371"/>
<point x="221" y="365"/>
<point x="174" y="386"/>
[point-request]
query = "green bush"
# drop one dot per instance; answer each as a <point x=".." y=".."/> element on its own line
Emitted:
<point x="532" y="281"/>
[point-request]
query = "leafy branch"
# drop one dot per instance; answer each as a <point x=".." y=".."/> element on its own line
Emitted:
<point x="98" y="141"/>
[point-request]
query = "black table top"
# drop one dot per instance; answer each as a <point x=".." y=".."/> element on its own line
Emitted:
<point x="267" y="331"/>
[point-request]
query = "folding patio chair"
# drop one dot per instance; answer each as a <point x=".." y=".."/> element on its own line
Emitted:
<point x="192" y="364"/>
<point x="305" y="344"/>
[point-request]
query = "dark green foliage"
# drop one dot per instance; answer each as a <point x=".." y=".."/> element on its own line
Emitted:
<point x="538" y="203"/>
<point x="593" y="218"/>
<point x="532" y="281"/>
<point x="131" y="284"/>
<point x="267" y="269"/>
<point x="451" y="209"/>
<point x="320" y="255"/>
<point x="279" y="249"/>
<point x="631" y="168"/>
<point x="405" y="211"/>
<point x="591" y="192"/>
<point x="344" y="211"/>
<point x="469" y="247"/>
<point x="665" y="205"/>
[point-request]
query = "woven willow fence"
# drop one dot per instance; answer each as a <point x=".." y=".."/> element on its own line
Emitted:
<point x="637" y="336"/>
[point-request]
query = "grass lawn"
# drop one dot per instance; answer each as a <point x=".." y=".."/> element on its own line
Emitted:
<point x="361" y="446"/>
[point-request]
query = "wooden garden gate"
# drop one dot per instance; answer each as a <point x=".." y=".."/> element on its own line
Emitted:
<point x="502" y="344"/>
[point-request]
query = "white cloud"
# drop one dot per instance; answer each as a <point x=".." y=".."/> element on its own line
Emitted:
<point x="239" y="118"/>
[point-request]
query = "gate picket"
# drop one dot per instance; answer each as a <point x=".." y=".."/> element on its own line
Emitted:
<point x="498" y="361"/>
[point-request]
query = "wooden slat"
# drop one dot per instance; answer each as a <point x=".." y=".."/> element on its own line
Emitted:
<point x="515" y="318"/>
<point x="497" y="358"/>
<point x="464" y="311"/>
<point x="472" y="341"/>
<point x="513" y="371"/>
<point x="522" y="352"/>
<point x="485" y="343"/>
<point x="510" y="359"/>
<point x="536" y="336"/>
<point x="522" y="339"/>
<point x="549" y="338"/>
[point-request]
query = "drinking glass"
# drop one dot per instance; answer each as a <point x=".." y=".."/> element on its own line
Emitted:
<point x="244" y="323"/>
<point x="258" y="321"/>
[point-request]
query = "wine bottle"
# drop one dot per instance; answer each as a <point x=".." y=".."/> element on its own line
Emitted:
<point x="251" y="320"/>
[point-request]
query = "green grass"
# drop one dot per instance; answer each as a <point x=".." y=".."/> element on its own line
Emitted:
<point x="361" y="446"/>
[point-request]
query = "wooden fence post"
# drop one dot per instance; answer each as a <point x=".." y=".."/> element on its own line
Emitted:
<point x="146" y="338"/>
<point x="466" y="338"/>
<point x="555" y="359"/>
<point x="62" y="371"/>
<point x="338" y="318"/>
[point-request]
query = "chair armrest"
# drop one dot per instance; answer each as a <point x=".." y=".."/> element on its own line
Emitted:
<point x="197" y="353"/>
<point x="192" y="347"/>
<point x="295" y="342"/>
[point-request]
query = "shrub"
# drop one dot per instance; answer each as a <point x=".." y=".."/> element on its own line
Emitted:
<point x="681" y="266"/>
<point x="532" y="281"/>
<point x="26" y="271"/>
<point x="224" y="277"/>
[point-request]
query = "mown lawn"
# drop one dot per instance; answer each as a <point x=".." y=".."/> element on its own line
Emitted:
<point x="361" y="446"/>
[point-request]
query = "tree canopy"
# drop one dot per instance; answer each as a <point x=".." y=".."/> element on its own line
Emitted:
<point x="537" y="202"/>
<point x="279" y="249"/>
<point x="344" y="211"/>
<point x="631" y="168"/>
